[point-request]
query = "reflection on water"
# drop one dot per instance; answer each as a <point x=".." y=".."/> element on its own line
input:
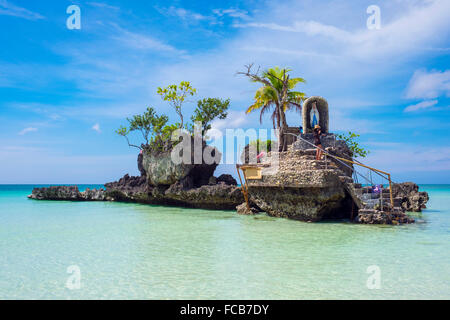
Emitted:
<point x="153" y="252"/>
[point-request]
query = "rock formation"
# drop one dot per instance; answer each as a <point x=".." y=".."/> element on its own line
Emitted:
<point x="375" y="207"/>
<point x="243" y="209"/>
<point x="303" y="188"/>
<point x="68" y="193"/>
<point x="332" y="145"/>
<point x="411" y="199"/>
<point x="160" y="168"/>
<point x="300" y="188"/>
<point x="161" y="182"/>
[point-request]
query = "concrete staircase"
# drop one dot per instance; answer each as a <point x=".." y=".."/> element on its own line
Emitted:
<point x="376" y="208"/>
<point x="371" y="208"/>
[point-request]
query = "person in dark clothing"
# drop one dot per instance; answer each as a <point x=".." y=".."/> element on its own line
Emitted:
<point x="318" y="142"/>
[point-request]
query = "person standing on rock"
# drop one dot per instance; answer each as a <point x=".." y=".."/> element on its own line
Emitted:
<point x="318" y="142"/>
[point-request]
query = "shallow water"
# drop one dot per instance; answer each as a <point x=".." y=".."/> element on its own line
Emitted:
<point x="150" y="252"/>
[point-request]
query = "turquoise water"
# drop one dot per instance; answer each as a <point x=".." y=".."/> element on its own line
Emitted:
<point x="135" y="251"/>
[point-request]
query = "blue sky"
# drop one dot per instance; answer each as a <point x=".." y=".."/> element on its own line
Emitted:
<point x="64" y="92"/>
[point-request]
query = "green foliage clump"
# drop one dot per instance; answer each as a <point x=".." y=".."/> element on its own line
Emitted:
<point x="176" y="96"/>
<point x="350" y="139"/>
<point x="163" y="140"/>
<point x="209" y="109"/>
<point x="153" y="128"/>
<point x="261" y="145"/>
<point x="155" y="131"/>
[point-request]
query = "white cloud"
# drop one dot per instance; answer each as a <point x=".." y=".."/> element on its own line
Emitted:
<point x="183" y="13"/>
<point x="235" y="119"/>
<point x="102" y="5"/>
<point x="420" y="24"/>
<point x="143" y="42"/>
<point x="9" y="9"/>
<point x="27" y="130"/>
<point x="96" y="127"/>
<point x="310" y="28"/>
<point x="195" y="17"/>
<point x="421" y="105"/>
<point x="234" y="13"/>
<point x="429" y="85"/>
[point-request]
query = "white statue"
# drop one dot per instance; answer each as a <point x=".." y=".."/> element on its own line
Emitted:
<point x="315" y="117"/>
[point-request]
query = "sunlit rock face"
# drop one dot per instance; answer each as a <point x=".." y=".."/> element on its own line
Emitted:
<point x="332" y="145"/>
<point x="161" y="169"/>
<point x="180" y="184"/>
<point x="301" y="188"/>
<point x="305" y="204"/>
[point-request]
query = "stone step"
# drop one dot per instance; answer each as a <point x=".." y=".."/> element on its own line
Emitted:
<point x="346" y="179"/>
<point x="371" y="205"/>
<point x="366" y="211"/>
<point x="313" y="160"/>
<point x="310" y="151"/>
<point x="370" y="196"/>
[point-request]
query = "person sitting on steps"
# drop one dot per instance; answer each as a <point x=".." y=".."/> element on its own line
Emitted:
<point x="318" y="142"/>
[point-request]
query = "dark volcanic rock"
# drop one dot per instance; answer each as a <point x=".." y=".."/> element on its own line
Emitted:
<point x="218" y="197"/>
<point x="129" y="185"/>
<point x="68" y="193"/>
<point x="380" y="217"/>
<point x="93" y="195"/>
<point x="56" y="193"/>
<point x="242" y="209"/>
<point x="227" y="179"/>
<point x="141" y="165"/>
<point x="411" y="199"/>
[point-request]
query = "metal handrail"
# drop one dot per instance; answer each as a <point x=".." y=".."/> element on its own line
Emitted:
<point x="356" y="163"/>
<point x="244" y="186"/>
<point x="326" y="153"/>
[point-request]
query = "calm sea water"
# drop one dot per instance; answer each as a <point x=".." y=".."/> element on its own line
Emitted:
<point x="150" y="252"/>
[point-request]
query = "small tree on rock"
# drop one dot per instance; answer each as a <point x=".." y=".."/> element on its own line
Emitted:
<point x="350" y="140"/>
<point x="208" y="110"/>
<point x="176" y="96"/>
<point x="149" y="124"/>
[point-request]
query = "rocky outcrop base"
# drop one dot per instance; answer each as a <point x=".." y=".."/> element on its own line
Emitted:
<point x="411" y="199"/>
<point x="220" y="196"/>
<point x="382" y="217"/>
<point x="305" y="204"/>
<point x="243" y="210"/>
<point x="69" y="193"/>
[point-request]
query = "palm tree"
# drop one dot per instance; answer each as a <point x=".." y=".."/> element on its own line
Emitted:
<point x="276" y="96"/>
